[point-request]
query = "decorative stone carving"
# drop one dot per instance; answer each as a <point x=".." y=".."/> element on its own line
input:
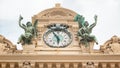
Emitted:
<point x="6" y="46"/>
<point x="27" y="64"/>
<point x="90" y="65"/>
<point x="55" y="13"/>
<point x="111" y="46"/>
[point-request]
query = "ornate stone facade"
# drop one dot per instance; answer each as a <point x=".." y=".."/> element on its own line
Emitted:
<point x="40" y="55"/>
<point x="6" y="46"/>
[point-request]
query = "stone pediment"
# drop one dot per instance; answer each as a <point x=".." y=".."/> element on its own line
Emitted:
<point x="6" y="46"/>
<point x="111" y="46"/>
<point x="56" y="13"/>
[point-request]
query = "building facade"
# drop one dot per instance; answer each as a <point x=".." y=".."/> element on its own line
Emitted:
<point x="47" y="52"/>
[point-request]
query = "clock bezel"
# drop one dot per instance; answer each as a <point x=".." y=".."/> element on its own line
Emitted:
<point x="66" y="31"/>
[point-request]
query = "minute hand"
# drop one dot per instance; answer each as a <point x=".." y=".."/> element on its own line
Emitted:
<point x="58" y="39"/>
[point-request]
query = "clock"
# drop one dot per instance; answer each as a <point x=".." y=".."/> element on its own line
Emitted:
<point x="57" y="36"/>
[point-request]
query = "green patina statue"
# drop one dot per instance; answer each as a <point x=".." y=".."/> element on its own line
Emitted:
<point x="80" y="19"/>
<point x="85" y="30"/>
<point x="30" y="32"/>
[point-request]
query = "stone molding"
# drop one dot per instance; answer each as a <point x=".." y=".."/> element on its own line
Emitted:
<point x="111" y="46"/>
<point x="6" y="46"/>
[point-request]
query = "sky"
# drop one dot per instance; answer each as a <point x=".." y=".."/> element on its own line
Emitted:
<point x="107" y="26"/>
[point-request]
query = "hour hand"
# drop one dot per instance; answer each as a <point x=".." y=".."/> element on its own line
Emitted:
<point x="58" y="39"/>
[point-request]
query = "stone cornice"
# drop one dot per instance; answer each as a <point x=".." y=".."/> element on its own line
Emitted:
<point x="60" y="58"/>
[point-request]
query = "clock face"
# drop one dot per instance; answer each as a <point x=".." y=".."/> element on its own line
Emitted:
<point x="57" y="39"/>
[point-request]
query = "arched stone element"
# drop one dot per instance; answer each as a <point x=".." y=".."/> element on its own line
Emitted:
<point x="111" y="46"/>
<point x="6" y="45"/>
<point x="58" y="15"/>
<point x="55" y="13"/>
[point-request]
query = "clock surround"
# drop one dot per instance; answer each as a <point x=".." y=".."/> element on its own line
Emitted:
<point x="57" y="36"/>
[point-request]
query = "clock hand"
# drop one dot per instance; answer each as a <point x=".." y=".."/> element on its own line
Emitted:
<point x="57" y="37"/>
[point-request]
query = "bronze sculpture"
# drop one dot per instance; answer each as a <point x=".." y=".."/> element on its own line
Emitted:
<point x="84" y="32"/>
<point x="80" y="19"/>
<point x="30" y="32"/>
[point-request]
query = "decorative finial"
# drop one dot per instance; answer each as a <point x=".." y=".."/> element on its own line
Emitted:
<point x="57" y="5"/>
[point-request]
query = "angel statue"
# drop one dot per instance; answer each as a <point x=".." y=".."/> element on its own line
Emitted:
<point x="30" y="32"/>
<point x="85" y="31"/>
